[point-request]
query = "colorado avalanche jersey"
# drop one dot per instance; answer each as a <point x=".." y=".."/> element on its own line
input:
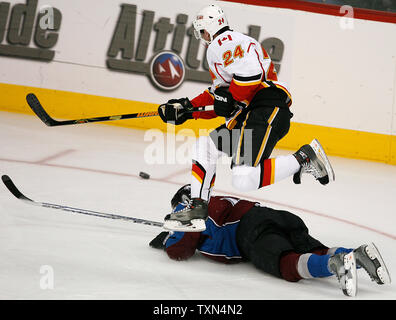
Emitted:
<point x="239" y="62"/>
<point x="218" y="241"/>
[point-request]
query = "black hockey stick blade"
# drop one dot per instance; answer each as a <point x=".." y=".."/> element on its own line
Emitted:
<point x="38" y="109"/>
<point x="13" y="189"/>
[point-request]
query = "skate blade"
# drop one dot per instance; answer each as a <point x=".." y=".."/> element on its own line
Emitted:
<point x="382" y="270"/>
<point x="322" y="155"/>
<point x="195" y="225"/>
<point x="351" y="275"/>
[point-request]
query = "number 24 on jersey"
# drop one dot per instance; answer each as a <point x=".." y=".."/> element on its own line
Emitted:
<point x="229" y="56"/>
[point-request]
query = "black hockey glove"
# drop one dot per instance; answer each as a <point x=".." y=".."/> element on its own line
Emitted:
<point x="176" y="111"/>
<point x="224" y="103"/>
<point x="158" y="241"/>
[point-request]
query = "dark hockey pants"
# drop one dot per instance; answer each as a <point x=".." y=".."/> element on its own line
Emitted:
<point x="265" y="235"/>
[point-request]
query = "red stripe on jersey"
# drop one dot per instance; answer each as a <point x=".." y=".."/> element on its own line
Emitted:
<point x="262" y="68"/>
<point x="266" y="55"/>
<point x="271" y="74"/>
<point x="200" y="172"/>
<point x="251" y="44"/>
<point x="247" y="92"/>
<point x="242" y="93"/>
<point x="212" y="182"/>
<point x="267" y="170"/>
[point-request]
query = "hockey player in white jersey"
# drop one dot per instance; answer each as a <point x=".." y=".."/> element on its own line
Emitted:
<point x="245" y="91"/>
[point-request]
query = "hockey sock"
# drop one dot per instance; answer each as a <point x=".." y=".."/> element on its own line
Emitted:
<point x="274" y="170"/>
<point x="313" y="266"/>
<point x="288" y="267"/>
<point x="336" y="250"/>
<point x="294" y="266"/>
<point x="204" y="160"/>
<point x="269" y="171"/>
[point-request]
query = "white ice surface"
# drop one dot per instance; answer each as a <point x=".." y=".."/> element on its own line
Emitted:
<point x="94" y="166"/>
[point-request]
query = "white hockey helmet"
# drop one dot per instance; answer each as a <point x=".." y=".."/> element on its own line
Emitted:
<point x="212" y="19"/>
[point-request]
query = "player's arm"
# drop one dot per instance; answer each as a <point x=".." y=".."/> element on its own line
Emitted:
<point x="204" y="99"/>
<point x="178" y="111"/>
<point x="207" y="97"/>
<point x="178" y="245"/>
<point x="182" y="245"/>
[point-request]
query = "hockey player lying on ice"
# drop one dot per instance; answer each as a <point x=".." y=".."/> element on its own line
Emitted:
<point x="275" y="241"/>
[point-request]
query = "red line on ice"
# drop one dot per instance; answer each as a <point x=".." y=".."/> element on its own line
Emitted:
<point x="165" y="180"/>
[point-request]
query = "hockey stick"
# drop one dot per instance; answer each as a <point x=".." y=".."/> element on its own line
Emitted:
<point x="38" y="109"/>
<point x="19" y="195"/>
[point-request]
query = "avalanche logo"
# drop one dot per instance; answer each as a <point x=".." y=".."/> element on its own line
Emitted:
<point x="167" y="70"/>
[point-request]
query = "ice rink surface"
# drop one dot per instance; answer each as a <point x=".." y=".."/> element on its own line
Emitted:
<point x="95" y="166"/>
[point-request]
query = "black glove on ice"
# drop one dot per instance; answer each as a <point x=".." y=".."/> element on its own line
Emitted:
<point x="158" y="241"/>
<point x="176" y="110"/>
<point x="224" y="103"/>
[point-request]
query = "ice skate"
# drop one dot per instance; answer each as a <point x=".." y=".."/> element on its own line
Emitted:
<point x="343" y="265"/>
<point x="313" y="160"/>
<point x="189" y="217"/>
<point x="369" y="258"/>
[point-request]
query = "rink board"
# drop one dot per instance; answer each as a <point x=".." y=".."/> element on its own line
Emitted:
<point x="99" y="60"/>
<point x="68" y="105"/>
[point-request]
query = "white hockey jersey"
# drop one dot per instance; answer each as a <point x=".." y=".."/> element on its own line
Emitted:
<point x="239" y="62"/>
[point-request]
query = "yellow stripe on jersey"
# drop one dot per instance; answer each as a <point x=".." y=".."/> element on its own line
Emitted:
<point x="241" y="138"/>
<point x="197" y="176"/>
<point x="232" y="122"/>
<point x="266" y="136"/>
<point x="272" y="170"/>
<point x="247" y="83"/>
<point x="284" y="89"/>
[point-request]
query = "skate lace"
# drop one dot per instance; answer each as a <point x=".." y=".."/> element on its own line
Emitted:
<point x="308" y="168"/>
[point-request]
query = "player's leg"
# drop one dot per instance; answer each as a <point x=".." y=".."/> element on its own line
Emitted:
<point x="204" y="163"/>
<point x="261" y="243"/>
<point x="295" y="266"/>
<point x="276" y="242"/>
<point x="313" y="259"/>
<point x="269" y="171"/>
<point x="203" y="175"/>
<point x="259" y="134"/>
<point x="253" y="168"/>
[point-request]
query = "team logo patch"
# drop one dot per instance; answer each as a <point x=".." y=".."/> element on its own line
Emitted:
<point x="167" y="70"/>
